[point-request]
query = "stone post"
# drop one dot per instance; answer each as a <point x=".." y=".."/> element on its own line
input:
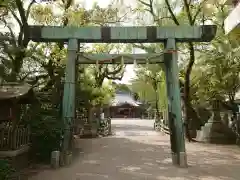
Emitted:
<point x="214" y="131"/>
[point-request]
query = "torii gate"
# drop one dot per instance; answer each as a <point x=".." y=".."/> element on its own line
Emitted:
<point x="167" y="35"/>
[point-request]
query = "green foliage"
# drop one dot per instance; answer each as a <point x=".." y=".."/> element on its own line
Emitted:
<point x="216" y="73"/>
<point x="89" y="94"/>
<point x="121" y="87"/>
<point x="6" y="170"/>
<point x="150" y="86"/>
<point x="46" y="131"/>
<point x="106" y="71"/>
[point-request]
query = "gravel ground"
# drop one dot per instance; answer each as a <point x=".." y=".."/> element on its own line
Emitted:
<point x="135" y="151"/>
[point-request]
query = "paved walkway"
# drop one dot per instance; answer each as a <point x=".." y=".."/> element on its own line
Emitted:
<point x="137" y="152"/>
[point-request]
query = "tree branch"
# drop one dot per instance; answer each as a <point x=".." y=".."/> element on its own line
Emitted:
<point x="198" y="11"/>
<point x="23" y="38"/>
<point x="16" y="17"/>
<point x="187" y="9"/>
<point x="150" y="6"/>
<point x="29" y="8"/>
<point x="21" y="11"/>
<point x="174" y="18"/>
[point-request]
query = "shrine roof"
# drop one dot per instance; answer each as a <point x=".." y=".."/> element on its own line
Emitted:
<point x="14" y="90"/>
<point x="124" y="98"/>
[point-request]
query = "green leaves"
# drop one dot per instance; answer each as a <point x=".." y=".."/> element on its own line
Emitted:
<point x="91" y="94"/>
<point x="44" y="15"/>
<point x="217" y="69"/>
<point x="150" y="86"/>
<point x="6" y="170"/>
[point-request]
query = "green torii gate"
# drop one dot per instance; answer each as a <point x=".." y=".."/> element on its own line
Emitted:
<point x="167" y="35"/>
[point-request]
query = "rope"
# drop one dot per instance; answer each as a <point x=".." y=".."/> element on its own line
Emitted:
<point x="171" y="51"/>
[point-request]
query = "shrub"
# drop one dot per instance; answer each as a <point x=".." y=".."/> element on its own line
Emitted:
<point x="46" y="137"/>
<point x="6" y="170"/>
<point x="46" y="132"/>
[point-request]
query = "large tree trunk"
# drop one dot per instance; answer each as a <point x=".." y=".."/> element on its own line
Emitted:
<point x="187" y="100"/>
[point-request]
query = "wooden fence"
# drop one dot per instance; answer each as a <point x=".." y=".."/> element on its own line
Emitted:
<point x="162" y="123"/>
<point x="161" y="126"/>
<point x="13" y="139"/>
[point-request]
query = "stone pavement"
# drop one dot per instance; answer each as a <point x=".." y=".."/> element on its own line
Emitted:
<point x="137" y="152"/>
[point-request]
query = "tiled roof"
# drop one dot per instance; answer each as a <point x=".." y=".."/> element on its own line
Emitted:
<point x="124" y="98"/>
<point x="13" y="90"/>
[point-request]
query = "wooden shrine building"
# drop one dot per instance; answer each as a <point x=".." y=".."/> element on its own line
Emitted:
<point x="14" y="136"/>
<point x="12" y="95"/>
<point x="124" y="106"/>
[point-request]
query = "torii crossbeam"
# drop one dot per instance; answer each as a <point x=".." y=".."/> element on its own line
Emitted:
<point x="167" y="35"/>
<point x="136" y="34"/>
<point x="87" y="58"/>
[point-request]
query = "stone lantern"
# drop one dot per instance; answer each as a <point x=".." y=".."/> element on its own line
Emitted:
<point x="215" y="131"/>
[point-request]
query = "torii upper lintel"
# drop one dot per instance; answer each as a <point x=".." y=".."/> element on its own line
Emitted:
<point x="138" y="34"/>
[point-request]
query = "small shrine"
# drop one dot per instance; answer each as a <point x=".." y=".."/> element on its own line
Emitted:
<point x="12" y="95"/>
<point x="124" y="106"/>
<point x="14" y="137"/>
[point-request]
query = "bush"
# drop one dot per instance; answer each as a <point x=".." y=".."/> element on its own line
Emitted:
<point x="6" y="170"/>
<point x="46" y="137"/>
<point x="46" y="133"/>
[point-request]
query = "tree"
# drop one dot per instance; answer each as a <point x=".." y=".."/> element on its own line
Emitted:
<point x="78" y="16"/>
<point x="90" y="95"/>
<point x="188" y="14"/>
<point x="121" y="87"/>
<point x="102" y="71"/>
<point x="155" y="90"/>
<point x="218" y="66"/>
<point x="14" y="47"/>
